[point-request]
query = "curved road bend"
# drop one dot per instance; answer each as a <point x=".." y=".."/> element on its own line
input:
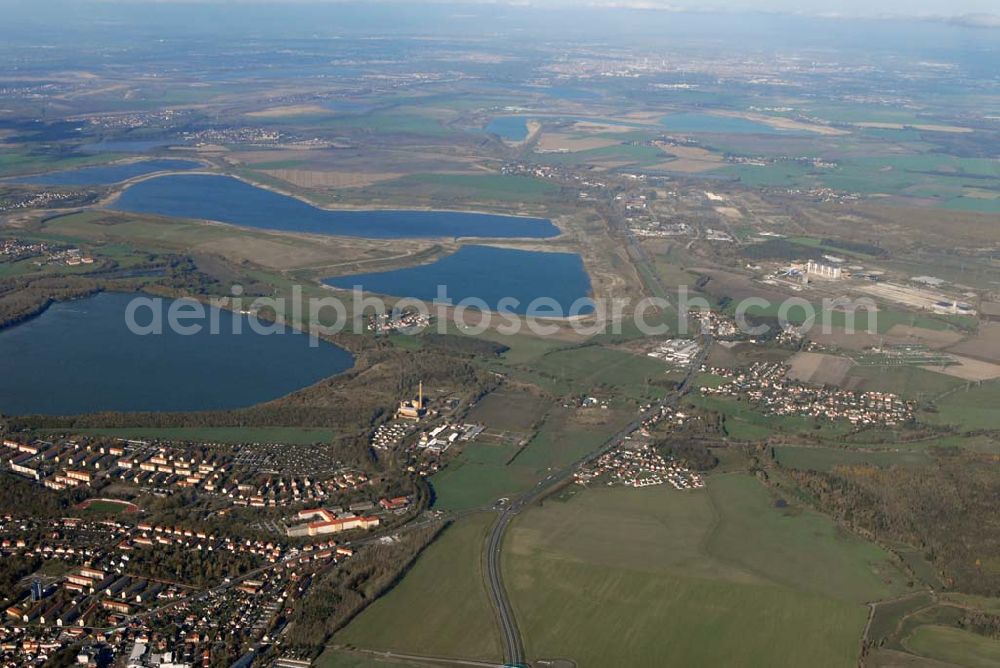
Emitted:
<point x="509" y="633"/>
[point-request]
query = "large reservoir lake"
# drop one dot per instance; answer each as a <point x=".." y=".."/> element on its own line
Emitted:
<point x="80" y="357"/>
<point x="511" y="128"/>
<point x="229" y="200"/>
<point x="489" y="274"/>
<point x="106" y="174"/>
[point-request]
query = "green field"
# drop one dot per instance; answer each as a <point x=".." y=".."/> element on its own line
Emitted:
<point x="969" y="409"/>
<point x="910" y="382"/>
<point x="104" y="508"/>
<point x="498" y="187"/>
<point x="881" y="321"/>
<point x="824" y="459"/>
<point x="955" y="646"/>
<point x="744" y="423"/>
<point x="292" y="435"/>
<point x="440" y="607"/>
<point x="591" y="368"/>
<point x="715" y="577"/>
<point x="481" y="474"/>
<point x="332" y="658"/>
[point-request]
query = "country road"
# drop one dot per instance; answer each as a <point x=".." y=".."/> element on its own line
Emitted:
<point x="513" y="645"/>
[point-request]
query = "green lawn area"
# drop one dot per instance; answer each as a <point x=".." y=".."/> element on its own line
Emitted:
<point x="712" y="577"/>
<point x="969" y="409"/>
<point x="292" y="435"/>
<point x="106" y="508"/>
<point x="824" y="459"/>
<point x="955" y="646"/>
<point x="441" y="607"/>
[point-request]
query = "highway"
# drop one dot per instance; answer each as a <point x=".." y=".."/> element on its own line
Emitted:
<point x="509" y="633"/>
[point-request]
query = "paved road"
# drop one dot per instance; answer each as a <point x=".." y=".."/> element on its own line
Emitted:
<point x="509" y="633"/>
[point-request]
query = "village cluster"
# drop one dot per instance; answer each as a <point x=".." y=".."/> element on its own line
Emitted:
<point x="639" y="465"/>
<point x="39" y="200"/>
<point x="766" y="386"/>
<point x="636" y="462"/>
<point x="398" y="320"/>
<point x="17" y="249"/>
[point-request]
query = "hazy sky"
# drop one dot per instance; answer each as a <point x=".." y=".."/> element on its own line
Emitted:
<point x="942" y="8"/>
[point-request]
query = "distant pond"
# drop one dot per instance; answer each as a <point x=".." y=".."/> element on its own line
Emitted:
<point x="229" y="200"/>
<point x="489" y="274"/>
<point x="80" y="357"/>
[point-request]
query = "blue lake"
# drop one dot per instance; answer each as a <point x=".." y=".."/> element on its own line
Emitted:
<point x="719" y="124"/>
<point x="229" y="200"/>
<point x="80" y="357"/>
<point x="489" y="274"/>
<point x="106" y="174"/>
<point x="511" y="128"/>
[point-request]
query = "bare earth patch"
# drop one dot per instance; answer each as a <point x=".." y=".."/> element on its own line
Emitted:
<point x="310" y="178"/>
<point x="929" y="127"/>
<point x="985" y="345"/>
<point x="969" y="369"/>
<point x="689" y="159"/>
<point x="819" y="369"/>
<point x="928" y="337"/>
<point x="558" y="142"/>
<point x="292" y="110"/>
<point x="782" y="123"/>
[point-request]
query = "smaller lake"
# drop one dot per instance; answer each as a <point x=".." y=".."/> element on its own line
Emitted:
<point x="719" y="124"/>
<point x="80" y="357"/>
<point x="511" y="128"/>
<point x="490" y="274"/>
<point x="106" y="174"/>
<point x="229" y="200"/>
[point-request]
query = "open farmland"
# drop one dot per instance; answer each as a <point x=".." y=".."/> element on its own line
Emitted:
<point x="484" y="472"/>
<point x="825" y="459"/>
<point x="969" y="408"/>
<point x="412" y="618"/>
<point x="694" y="563"/>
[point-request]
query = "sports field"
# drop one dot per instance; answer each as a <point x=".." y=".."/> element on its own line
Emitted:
<point x="440" y="608"/>
<point x="716" y="577"/>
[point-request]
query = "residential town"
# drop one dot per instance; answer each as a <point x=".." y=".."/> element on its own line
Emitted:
<point x="766" y="386"/>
